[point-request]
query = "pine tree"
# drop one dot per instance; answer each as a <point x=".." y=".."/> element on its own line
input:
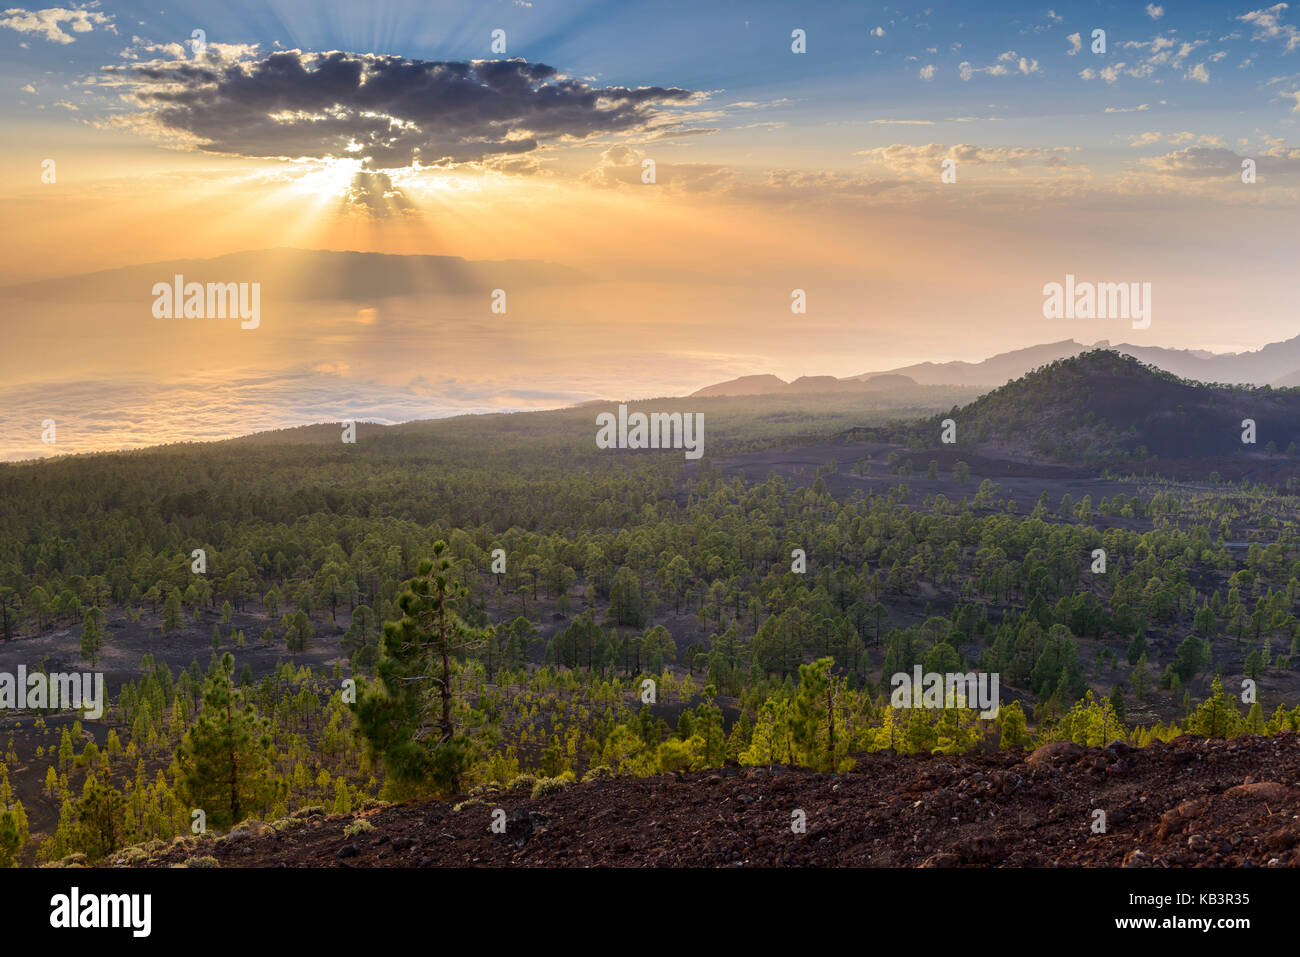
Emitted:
<point x="918" y="735"/>
<point x="99" y="816"/>
<point x="1012" y="720"/>
<point x="768" y="742"/>
<point x="739" y="738"/>
<point x="298" y="630"/>
<point x="172" y="611"/>
<point x="225" y="757"/>
<point x="11" y="839"/>
<point x="1217" y="717"/>
<point x="1255" y="719"/>
<point x="1140" y="679"/>
<point x="92" y="635"/>
<point x="813" y="711"/>
<point x="1117" y="701"/>
<point x="1137" y="648"/>
<point x="407" y="715"/>
<point x="66" y="752"/>
<point x="1254" y="664"/>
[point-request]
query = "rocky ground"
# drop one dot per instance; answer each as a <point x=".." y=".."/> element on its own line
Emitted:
<point x="1192" y="803"/>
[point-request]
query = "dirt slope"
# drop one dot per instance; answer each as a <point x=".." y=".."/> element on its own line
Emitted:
<point x="1191" y="803"/>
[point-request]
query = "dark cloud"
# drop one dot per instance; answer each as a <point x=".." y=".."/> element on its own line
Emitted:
<point x="388" y="110"/>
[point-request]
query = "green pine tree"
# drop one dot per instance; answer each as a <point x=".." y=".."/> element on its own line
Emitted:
<point x="92" y="635"/>
<point x="1011" y="717"/>
<point x="225" y="757"/>
<point x="408" y="716"/>
<point x="11" y="838"/>
<point x="1117" y="701"/>
<point x="1217" y="716"/>
<point x="172" y="611"/>
<point x="813" y="712"/>
<point x="99" y="816"/>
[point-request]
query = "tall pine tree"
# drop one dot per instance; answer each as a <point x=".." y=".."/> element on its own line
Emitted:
<point x="92" y="635"/>
<point x="408" y="716"/>
<point x="225" y="756"/>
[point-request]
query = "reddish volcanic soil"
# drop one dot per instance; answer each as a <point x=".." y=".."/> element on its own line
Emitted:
<point x="1193" y="803"/>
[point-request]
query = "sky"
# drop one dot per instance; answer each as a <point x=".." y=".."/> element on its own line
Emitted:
<point x="794" y="146"/>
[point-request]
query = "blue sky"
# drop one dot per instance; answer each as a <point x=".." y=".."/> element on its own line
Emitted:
<point x="741" y="52"/>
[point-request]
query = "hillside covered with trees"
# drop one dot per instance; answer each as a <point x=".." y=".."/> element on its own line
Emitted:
<point x="451" y="606"/>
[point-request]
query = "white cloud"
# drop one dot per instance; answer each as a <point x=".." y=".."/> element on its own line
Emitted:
<point x="1076" y="44"/>
<point x="1268" y="26"/>
<point x="1179" y="139"/>
<point x="877" y="31"/>
<point x="920" y="160"/>
<point x="927" y="72"/>
<point x="49" y="23"/>
<point x="1154" y="12"/>
<point x="1184" y="51"/>
<point x="1113" y="72"/>
<point x="1007" y="62"/>
<point x="1219" y="162"/>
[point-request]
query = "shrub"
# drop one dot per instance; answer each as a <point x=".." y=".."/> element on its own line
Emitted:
<point x="545" y="786"/>
<point x="358" y="827"/>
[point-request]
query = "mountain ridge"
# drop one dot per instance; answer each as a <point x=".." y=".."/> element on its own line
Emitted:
<point x="302" y="274"/>
<point x="1276" y="364"/>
